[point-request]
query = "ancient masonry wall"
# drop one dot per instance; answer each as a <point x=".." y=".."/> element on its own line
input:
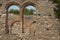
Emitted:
<point x="45" y="25"/>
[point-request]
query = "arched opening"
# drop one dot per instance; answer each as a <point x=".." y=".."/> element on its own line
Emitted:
<point x="14" y="9"/>
<point x="29" y="11"/>
<point x="12" y="14"/>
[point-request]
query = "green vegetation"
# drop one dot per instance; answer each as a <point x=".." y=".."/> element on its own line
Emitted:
<point x="57" y="12"/>
<point x="26" y="11"/>
<point x="14" y="11"/>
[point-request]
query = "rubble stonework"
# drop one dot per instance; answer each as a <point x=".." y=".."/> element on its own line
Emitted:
<point x="41" y="26"/>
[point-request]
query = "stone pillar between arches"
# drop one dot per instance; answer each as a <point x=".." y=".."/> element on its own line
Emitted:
<point x="21" y="20"/>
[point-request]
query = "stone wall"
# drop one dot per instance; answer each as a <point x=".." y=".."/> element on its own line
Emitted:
<point x="41" y="26"/>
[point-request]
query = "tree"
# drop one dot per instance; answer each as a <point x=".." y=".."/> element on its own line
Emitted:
<point x="57" y="12"/>
<point x="14" y="11"/>
<point x="26" y="11"/>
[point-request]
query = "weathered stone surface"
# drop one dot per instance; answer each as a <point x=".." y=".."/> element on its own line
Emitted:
<point x="16" y="28"/>
<point x="43" y="25"/>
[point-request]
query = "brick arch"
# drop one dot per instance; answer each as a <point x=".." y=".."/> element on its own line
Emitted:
<point x="8" y="4"/>
<point x="22" y="5"/>
<point x="9" y="22"/>
<point x="14" y="22"/>
<point x="29" y="3"/>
